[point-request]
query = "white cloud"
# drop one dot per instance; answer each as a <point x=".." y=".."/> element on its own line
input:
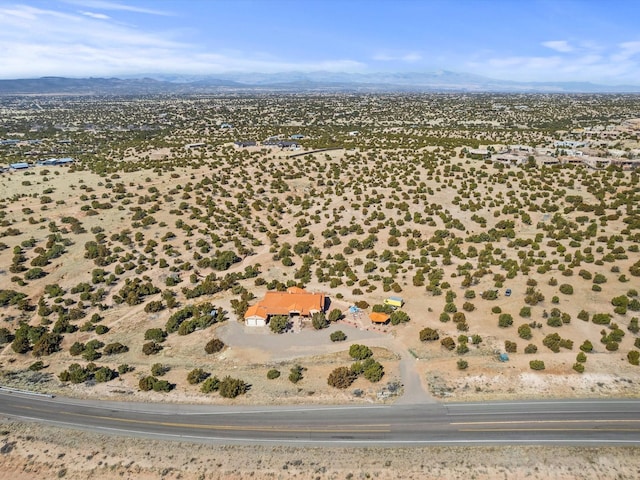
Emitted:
<point x="108" y="5"/>
<point x="559" y="46"/>
<point x="388" y="57"/>
<point x="99" y="16"/>
<point x="78" y="44"/>
<point x="627" y="50"/>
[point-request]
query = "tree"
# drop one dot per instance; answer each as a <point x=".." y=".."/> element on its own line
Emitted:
<point x="341" y="377"/>
<point x="586" y="346"/>
<point x="429" y="335"/>
<point x="524" y="331"/>
<point x="338" y="336"/>
<point x="151" y="348"/>
<point x="158" y="369"/>
<point x="197" y="375"/>
<point x="146" y="383"/>
<point x="47" y="344"/>
<point x="295" y="374"/>
<point x="373" y="370"/>
<point x="536" y="365"/>
<point x="448" y="343"/>
<point x="279" y="323"/>
<point x="104" y="374"/>
<point x="319" y="321"/>
<point x="214" y="346"/>
<point x="397" y="317"/>
<point x="211" y="384"/>
<point x="359" y="352"/>
<point x="5" y="336"/>
<point x="505" y="320"/>
<point x="335" y="315"/>
<point x="115" y="348"/>
<point x="232" y="387"/>
<point x="566" y="289"/>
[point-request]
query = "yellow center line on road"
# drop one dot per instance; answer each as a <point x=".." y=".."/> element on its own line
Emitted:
<point x="548" y="430"/>
<point x="525" y="422"/>
<point x="241" y="428"/>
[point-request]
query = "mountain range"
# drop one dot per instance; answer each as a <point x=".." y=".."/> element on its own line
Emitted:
<point x="293" y="82"/>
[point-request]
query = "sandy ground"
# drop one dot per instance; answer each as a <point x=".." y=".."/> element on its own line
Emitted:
<point x="28" y="451"/>
<point x="427" y="371"/>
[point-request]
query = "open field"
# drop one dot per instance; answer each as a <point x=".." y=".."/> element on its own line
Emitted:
<point x="110" y="267"/>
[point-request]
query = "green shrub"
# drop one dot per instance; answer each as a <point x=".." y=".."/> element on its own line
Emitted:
<point x="536" y="365"/>
<point x="531" y="348"/>
<point x="115" y="348"/>
<point x="101" y="329"/>
<point x="319" y="321"/>
<point x="578" y="367"/>
<point x="525" y="312"/>
<point x="633" y="357"/>
<point x="373" y="370"/>
<point x="398" y="316"/>
<point x="158" y="369"/>
<point x="359" y="352"/>
<point x="505" y="320"/>
<point x="155" y="334"/>
<point x="36" y="366"/>
<point x="197" y="375"/>
<point x="104" y="374"/>
<point x="295" y="374"/>
<point x="151" y="348"/>
<point x="338" y="336"/>
<point x="583" y="315"/>
<point x="448" y="343"/>
<point x="566" y="289"/>
<point x="462" y="364"/>
<point x="429" y="335"/>
<point x="586" y="346"/>
<point x="273" y="374"/>
<point x="211" y="384"/>
<point x="524" y="331"/>
<point x="601" y="319"/>
<point x="232" y="387"/>
<point x="279" y="323"/>
<point x="510" y="347"/>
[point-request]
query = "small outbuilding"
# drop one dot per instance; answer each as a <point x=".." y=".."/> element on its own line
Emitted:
<point x="19" y="165"/>
<point x="396" y="302"/>
<point x="379" y="318"/>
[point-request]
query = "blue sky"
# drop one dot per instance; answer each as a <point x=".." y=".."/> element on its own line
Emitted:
<point x="524" y="40"/>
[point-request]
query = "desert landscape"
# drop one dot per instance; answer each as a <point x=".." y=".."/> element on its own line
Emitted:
<point x="508" y="224"/>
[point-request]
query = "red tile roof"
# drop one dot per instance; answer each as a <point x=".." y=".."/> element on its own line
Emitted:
<point x="294" y="300"/>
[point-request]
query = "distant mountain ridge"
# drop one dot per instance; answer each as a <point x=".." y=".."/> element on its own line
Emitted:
<point x="320" y="81"/>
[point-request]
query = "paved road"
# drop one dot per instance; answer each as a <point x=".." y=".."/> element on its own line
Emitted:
<point x="570" y="422"/>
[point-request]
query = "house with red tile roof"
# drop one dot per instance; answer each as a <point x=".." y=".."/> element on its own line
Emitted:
<point x="294" y="301"/>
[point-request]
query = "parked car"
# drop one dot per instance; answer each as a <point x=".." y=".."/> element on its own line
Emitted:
<point x="508" y="292"/>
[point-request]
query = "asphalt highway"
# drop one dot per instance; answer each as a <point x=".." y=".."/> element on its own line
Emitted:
<point x="559" y="422"/>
